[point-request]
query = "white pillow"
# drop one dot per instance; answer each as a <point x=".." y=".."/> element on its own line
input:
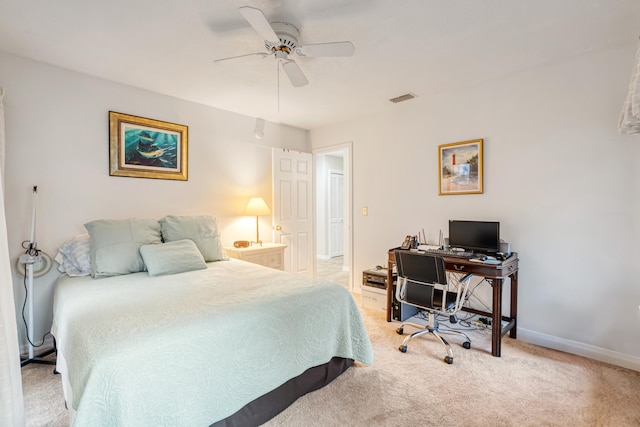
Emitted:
<point x="173" y="257"/>
<point x="115" y="245"/>
<point x="74" y="256"/>
<point x="202" y="229"/>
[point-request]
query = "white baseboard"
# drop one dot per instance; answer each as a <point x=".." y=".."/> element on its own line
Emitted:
<point x="326" y="257"/>
<point x="580" y="349"/>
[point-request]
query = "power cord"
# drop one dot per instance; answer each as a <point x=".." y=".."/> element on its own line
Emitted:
<point x="31" y="251"/>
<point x="30" y="248"/>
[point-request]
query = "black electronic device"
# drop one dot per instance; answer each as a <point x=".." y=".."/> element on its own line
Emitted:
<point x="479" y="236"/>
<point x="401" y="311"/>
<point x="376" y="278"/>
<point x="408" y="243"/>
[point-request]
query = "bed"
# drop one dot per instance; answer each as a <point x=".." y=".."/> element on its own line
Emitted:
<point x="226" y="343"/>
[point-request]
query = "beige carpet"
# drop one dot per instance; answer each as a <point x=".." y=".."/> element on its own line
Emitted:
<point x="527" y="386"/>
<point x="332" y="269"/>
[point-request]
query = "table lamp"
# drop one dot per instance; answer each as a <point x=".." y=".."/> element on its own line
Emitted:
<point x="257" y="207"/>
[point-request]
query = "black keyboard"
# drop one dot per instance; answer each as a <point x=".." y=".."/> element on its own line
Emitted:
<point x="449" y="252"/>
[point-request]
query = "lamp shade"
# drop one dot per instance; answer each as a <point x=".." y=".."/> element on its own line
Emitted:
<point x="256" y="206"/>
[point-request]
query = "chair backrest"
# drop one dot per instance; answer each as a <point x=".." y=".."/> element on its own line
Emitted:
<point x="422" y="282"/>
<point x="421" y="267"/>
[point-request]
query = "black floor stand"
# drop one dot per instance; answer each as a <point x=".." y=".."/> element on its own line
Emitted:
<point x="39" y="359"/>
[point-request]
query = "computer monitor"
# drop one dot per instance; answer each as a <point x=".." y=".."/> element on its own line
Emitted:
<point x="476" y="236"/>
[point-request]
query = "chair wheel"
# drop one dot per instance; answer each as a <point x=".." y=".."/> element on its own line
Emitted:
<point x="466" y="344"/>
<point x="399" y="331"/>
<point x="448" y="359"/>
<point x="403" y="348"/>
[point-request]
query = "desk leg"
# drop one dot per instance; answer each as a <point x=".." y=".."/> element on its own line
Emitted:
<point x="496" y="328"/>
<point x="389" y="289"/>
<point x="514" y="304"/>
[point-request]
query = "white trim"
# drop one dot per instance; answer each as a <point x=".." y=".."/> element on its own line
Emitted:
<point x="580" y="349"/>
<point x="347" y="147"/>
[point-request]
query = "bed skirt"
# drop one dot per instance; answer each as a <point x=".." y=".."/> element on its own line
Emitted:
<point x="271" y="404"/>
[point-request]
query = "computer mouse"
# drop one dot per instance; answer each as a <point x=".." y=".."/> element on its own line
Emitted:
<point x="483" y="257"/>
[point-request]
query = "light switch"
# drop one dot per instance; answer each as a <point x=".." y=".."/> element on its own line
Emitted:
<point x="365" y="211"/>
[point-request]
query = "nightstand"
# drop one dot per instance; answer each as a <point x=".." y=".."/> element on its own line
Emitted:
<point x="269" y="254"/>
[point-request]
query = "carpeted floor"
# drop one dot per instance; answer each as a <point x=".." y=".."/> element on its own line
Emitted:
<point x="332" y="269"/>
<point x="527" y="386"/>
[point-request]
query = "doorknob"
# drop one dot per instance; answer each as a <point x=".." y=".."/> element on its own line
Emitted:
<point x="278" y="228"/>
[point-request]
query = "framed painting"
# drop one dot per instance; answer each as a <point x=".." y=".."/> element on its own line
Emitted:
<point x="147" y="148"/>
<point x="460" y="168"/>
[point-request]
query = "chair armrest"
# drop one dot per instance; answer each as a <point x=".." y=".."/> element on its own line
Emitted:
<point x="466" y="277"/>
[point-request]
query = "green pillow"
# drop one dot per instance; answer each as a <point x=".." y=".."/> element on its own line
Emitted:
<point x="172" y="257"/>
<point x="202" y="229"/>
<point x="115" y="245"/>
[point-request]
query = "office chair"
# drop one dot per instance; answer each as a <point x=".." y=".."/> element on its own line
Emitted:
<point x="423" y="283"/>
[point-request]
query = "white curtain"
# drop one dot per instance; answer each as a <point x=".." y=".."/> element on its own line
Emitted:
<point x="11" y="402"/>
<point x="630" y="116"/>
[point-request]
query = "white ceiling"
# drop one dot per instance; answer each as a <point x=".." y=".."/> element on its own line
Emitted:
<point x="418" y="46"/>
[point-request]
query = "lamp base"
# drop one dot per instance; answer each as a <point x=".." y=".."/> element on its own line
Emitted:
<point x="258" y="241"/>
<point x="39" y="359"/>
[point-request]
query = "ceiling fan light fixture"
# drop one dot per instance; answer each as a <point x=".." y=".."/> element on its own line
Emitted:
<point x="281" y="55"/>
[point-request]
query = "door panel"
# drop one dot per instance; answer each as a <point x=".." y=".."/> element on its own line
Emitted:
<point x="292" y="202"/>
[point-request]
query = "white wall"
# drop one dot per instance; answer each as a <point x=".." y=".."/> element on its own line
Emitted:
<point x="57" y="137"/>
<point x="564" y="185"/>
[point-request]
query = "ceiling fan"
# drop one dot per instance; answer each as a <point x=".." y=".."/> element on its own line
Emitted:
<point x="281" y="40"/>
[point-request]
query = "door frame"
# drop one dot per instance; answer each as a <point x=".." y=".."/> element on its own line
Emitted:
<point x="347" y="149"/>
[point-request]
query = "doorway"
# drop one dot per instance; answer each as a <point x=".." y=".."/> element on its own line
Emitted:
<point x="333" y="214"/>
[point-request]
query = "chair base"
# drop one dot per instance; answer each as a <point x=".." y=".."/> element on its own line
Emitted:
<point x="433" y="330"/>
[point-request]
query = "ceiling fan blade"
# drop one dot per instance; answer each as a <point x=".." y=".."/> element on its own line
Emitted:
<point x="264" y="55"/>
<point x="259" y="22"/>
<point x="295" y="74"/>
<point x="326" y="49"/>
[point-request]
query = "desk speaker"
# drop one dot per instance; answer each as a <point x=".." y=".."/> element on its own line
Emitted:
<point x="505" y="248"/>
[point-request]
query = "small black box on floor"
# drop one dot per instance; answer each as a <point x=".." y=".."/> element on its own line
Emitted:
<point x="401" y="311"/>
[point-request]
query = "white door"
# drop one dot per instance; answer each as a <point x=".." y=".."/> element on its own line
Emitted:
<point x="336" y="214"/>
<point x="293" y="209"/>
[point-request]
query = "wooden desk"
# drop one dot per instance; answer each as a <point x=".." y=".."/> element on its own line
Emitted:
<point x="495" y="275"/>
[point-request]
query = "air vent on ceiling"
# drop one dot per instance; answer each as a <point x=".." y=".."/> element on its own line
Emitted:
<point x="405" y="97"/>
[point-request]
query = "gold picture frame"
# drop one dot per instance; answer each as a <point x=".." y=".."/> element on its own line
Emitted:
<point x="460" y="169"/>
<point x="147" y="148"/>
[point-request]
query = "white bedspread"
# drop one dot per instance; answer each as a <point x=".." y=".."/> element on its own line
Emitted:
<point x="190" y="349"/>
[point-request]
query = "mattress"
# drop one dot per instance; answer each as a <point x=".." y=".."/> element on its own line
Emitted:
<point x="193" y="348"/>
